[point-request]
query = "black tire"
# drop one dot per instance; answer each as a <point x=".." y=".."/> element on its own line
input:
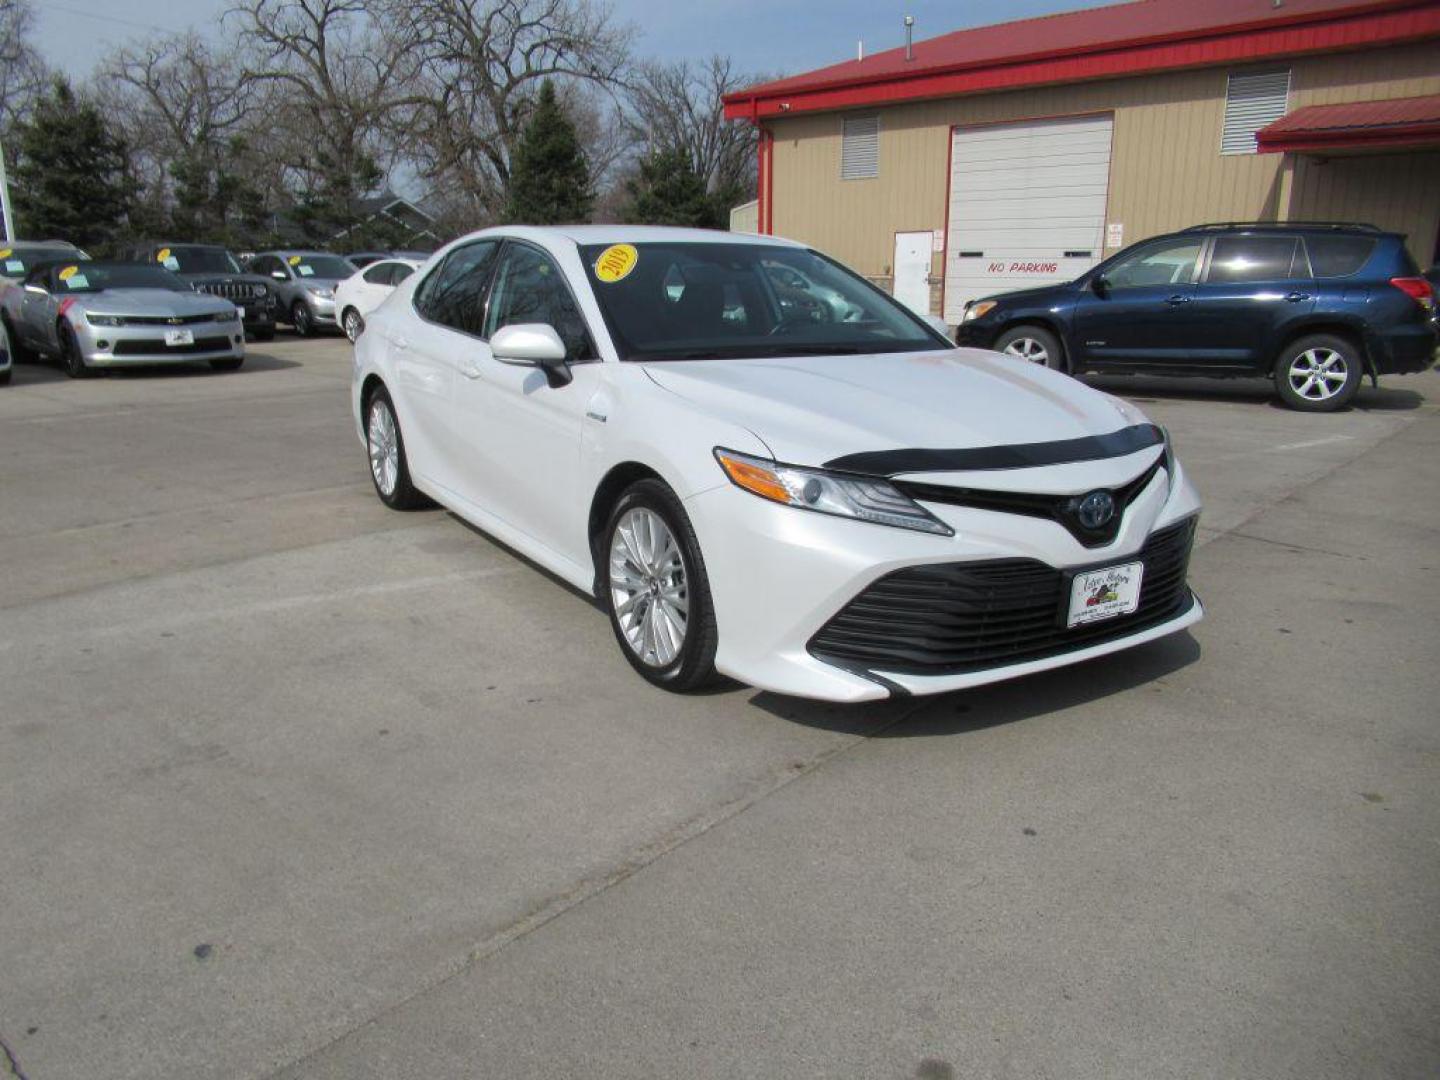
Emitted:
<point x="70" y="358"/>
<point x="1305" y="369"/>
<point x="300" y="319"/>
<point x="694" y="664"/>
<point x="1033" y="343"/>
<point x="265" y="333"/>
<point x="345" y="321"/>
<point x="403" y="495"/>
<point x="229" y="364"/>
<point x="5" y="376"/>
<point x="20" y="353"/>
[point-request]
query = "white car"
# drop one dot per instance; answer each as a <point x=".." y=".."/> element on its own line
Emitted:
<point x="841" y="510"/>
<point x="365" y="290"/>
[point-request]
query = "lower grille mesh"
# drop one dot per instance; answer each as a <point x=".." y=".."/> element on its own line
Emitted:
<point x="952" y="618"/>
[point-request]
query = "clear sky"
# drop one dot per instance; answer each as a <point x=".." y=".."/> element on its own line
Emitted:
<point x="779" y="36"/>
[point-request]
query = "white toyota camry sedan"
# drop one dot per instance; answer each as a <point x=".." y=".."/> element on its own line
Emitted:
<point x="839" y="507"/>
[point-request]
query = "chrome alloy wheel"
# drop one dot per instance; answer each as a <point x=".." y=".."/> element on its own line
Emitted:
<point x="648" y="587"/>
<point x="1027" y="348"/>
<point x="384" y="447"/>
<point x="1318" y="374"/>
<point x="352" y="324"/>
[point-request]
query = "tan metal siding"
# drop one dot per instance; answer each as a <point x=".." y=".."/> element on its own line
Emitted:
<point x="1166" y="166"/>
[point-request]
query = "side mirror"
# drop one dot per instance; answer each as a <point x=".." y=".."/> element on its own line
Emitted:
<point x="1100" y="285"/>
<point x="533" y="345"/>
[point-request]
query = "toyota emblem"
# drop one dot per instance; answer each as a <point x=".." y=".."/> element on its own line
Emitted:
<point x="1096" y="509"/>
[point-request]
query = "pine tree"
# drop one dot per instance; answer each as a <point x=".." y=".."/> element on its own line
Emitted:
<point x="549" y="178"/>
<point x="668" y="191"/>
<point x="71" y="176"/>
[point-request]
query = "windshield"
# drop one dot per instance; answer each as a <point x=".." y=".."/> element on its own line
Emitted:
<point x="197" y="260"/>
<point x="93" y="277"/>
<point x="700" y="301"/>
<point x="18" y="260"/>
<point x="320" y="266"/>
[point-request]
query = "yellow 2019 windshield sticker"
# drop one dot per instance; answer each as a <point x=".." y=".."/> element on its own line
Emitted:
<point x="5" y="252"/>
<point x="294" y="260"/>
<point x="68" y="273"/>
<point x="615" y="263"/>
<point x="162" y="255"/>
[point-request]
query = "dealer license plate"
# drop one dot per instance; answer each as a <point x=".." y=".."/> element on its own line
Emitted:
<point x="1103" y="594"/>
<point x="179" y="337"/>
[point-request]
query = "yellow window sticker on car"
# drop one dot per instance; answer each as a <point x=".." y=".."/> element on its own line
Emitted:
<point x="615" y="263"/>
<point x="162" y="255"/>
<point x="5" y="252"/>
<point x="68" y="273"/>
<point x="294" y="260"/>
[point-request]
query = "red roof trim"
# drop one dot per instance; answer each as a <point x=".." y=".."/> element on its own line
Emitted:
<point x="1354" y="27"/>
<point x="1383" y="124"/>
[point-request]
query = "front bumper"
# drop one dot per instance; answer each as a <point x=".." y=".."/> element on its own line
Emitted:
<point x="779" y="575"/>
<point x="136" y="346"/>
<point x="976" y="334"/>
<point x="322" y="311"/>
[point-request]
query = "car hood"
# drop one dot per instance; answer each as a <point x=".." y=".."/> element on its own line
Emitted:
<point x="1039" y="294"/>
<point x="813" y="410"/>
<point x="152" y="302"/>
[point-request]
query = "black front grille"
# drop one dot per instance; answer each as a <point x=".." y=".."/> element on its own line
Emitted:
<point x="157" y="346"/>
<point x="952" y="618"/>
<point x="167" y="320"/>
<point x="235" y="290"/>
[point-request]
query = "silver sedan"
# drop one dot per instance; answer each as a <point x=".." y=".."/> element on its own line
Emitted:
<point x="93" y="315"/>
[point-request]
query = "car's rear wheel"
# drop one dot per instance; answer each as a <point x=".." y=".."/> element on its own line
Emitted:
<point x="20" y="353"/>
<point x="388" y="467"/>
<point x="1320" y="373"/>
<point x="300" y="318"/>
<point x="70" y="358"/>
<point x="1032" y="343"/>
<point x="231" y="363"/>
<point x="352" y="324"/>
<point x="656" y="589"/>
<point x="265" y="333"/>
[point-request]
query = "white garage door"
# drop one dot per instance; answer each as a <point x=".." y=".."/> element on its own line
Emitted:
<point x="1027" y="206"/>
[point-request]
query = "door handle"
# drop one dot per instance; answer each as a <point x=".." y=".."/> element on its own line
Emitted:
<point x="1296" y="297"/>
<point x="400" y="343"/>
<point x="1177" y="299"/>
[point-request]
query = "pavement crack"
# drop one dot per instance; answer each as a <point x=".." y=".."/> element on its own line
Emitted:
<point x="10" y="1061"/>
<point x="549" y="909"/>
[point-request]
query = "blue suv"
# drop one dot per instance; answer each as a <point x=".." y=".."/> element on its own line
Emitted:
<point x="1315" y="306"/>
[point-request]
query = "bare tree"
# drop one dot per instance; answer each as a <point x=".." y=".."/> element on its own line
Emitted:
<point x="22" y="73"/>
<point x="482" y="63"/>
<point x="337" y="71"/>
<point x="677" y="108"/>
<point x="187" y="111"/>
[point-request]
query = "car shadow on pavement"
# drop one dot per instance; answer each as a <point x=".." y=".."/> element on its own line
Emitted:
<point x="27" y="374"/>
<point x="1143" y="389"/>
<point x="1002" y="703"/>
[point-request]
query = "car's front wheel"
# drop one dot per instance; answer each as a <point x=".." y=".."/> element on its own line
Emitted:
<point x="388" y="467"/>
<point x="656" y="589"/>
<point x="1320" y="373"/>
<point x="70" y="357"/>
<point x="300" y="319"/>
<point x="1032" y="343"/>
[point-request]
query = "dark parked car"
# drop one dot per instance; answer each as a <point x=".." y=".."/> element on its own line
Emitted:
<point x="1314" y="306"/>
<point x="210" y="268"/>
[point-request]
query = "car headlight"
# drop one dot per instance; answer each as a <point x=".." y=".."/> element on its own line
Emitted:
<point x="230" y="316"/>
<point x="975" y="311"/>
<point x="104" y="320"/>
<point x="323" y="294"/>
<point x="864" y="498"/>
<point x="1168" y="456"/>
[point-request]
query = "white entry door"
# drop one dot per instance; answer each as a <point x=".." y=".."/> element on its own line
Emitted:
<point x="912" y="270"/>
<point x="1027" y="205"/>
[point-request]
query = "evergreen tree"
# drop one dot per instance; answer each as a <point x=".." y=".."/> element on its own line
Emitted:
<point x="71" y="175"/>
<point x="668" y="191"/>
<point x="549" y="178"/>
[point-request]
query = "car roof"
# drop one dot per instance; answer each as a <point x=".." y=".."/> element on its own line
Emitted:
<point x="298" y="251"/>
<point x="636" y="234"/>
<point x="43" y="245"/>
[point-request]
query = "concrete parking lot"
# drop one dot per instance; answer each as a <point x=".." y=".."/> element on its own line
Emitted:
<point x="294" y="785"/>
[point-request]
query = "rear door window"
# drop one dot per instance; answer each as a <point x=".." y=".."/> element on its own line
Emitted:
<point x="454" y="294"/>
<point x="1238" y="259"/>
<point x="1338" y="256"/>
<point x="378" y="275"/>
